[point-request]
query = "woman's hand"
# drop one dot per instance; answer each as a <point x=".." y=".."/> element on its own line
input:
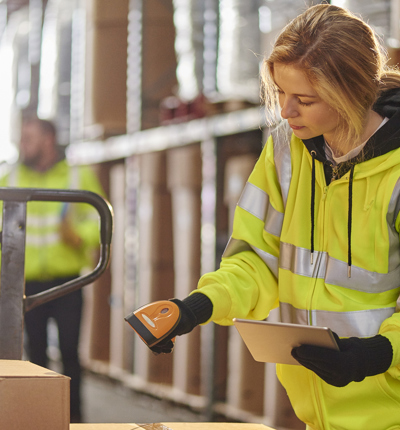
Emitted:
<point x="187" y="323"/>
<point x="356" y="359"/>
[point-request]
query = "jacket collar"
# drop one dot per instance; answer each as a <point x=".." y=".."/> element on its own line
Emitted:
<point x="386" y="139"/>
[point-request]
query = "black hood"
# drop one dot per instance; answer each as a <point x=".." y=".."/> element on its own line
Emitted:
<point x="388" y="103"/>
<point x="386" y="139"/>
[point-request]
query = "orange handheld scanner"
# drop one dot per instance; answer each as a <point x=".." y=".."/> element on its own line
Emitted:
<point x="155" y="321"/>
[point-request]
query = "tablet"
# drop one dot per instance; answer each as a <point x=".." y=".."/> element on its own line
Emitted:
<point x="272" y="342"/>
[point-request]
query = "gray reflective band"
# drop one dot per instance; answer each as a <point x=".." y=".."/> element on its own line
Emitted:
<point x="364" y="323"/>
<point x="270" y="260"/>
<point x="282" y="158"/>
<point x="391" y="217"/>
<point x="361" y="279"/>
<point x="46" y="239"/>
<point x="50" y="220"/>
<point x="256" y="201"/>
<point x="297" y="261"/>
<point x="74" y="177"/>
<point x="274" y="221"/>
<point x="235" y="246"/>
<point x="12" y="177"/>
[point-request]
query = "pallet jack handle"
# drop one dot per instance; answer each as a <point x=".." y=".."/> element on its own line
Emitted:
<point x="13" y="302"/>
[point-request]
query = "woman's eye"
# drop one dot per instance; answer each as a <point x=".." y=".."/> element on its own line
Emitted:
<point x="305" y="104"/>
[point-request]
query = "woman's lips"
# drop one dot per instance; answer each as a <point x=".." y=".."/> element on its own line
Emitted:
<point x="296" y="127"/>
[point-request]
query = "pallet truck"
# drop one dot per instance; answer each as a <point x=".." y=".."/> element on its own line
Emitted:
<point x="13" y="302"/>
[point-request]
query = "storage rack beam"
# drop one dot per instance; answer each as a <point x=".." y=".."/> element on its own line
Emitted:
<point x="169" y="136"/>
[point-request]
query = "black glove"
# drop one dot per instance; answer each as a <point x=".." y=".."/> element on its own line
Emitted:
<point x="187" y="323"/>
<point x="356" y="359"/>
<point x="194" y="310"/>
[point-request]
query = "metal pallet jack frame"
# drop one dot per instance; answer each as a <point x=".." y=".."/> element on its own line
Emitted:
<point x="13" y="302"/>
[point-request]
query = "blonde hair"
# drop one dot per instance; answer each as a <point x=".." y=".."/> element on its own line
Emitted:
<point x="342" y="59"/>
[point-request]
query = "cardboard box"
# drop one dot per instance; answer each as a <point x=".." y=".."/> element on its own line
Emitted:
<point x="211" y="426"/>
<point x="184" y="167"/>
<point x="107" y="11"/>
<point x="171" y="426"/>
<point x="104" y="427"/>
<point x="106" y="66"/>
<point x="156" y="283"/>
<point x="153" y="169"/>
<point x="32" y="397"/>
<point x="151" y="368"/>
<point x="186" y="210"/>
<point x="158" y="77"/>
<point x="245" y="389"/>
<point x="187" y="375"/>
<point x="155" y="227"/>
<point x="184" y="174"/>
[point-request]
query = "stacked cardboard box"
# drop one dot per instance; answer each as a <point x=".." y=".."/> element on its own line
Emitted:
<point x="32" y="397"/>
<point x="106" y="74"/>
<point x="94" y="344"/>
<point x="120" y="333"/>
<point x="158" y="59"/>
<point x="184" y="182"/>
<point x="156" y="271"/>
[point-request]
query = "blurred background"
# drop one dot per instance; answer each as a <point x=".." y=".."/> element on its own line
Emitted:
<point x="161" y="97"/>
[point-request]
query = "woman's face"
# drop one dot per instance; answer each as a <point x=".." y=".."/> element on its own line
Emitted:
<point x="307" y="114"/>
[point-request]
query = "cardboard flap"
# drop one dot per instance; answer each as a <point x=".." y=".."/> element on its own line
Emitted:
<point x="214" y="426"/>
<point x="171" y="426"/>
<point x="25" y="369"/>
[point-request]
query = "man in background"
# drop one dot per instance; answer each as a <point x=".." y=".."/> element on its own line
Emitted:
<point x="60" y="240"/>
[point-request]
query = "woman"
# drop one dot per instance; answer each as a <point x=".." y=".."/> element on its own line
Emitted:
<point x="316" y="230"/>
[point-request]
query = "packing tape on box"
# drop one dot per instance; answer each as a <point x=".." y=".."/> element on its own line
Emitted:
<point x="154" y="426"/>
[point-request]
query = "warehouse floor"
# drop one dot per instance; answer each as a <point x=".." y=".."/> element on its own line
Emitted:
<point x="107" y="401"/>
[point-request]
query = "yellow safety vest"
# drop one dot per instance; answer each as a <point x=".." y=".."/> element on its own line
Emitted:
<point x="267" y="263"/>
<point x="46" y="256"/>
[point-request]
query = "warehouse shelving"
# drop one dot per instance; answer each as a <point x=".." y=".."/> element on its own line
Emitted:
<point x="123" y="66"/>
<point x="164" y="137"/>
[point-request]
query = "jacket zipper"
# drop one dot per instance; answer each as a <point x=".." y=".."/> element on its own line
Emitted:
<point x="314" y="378"/>
<point x="335" y="172"/>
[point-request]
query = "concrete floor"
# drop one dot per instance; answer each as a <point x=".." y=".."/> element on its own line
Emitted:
<point x="106" y="401"/>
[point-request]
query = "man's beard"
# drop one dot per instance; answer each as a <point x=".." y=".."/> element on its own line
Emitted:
<point x="32" y="161"/>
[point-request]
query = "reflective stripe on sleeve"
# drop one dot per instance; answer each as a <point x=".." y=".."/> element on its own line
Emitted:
<point x="256" y="201"/>
<point x="274" y="221"/>
<point x="365" y="323"/>
<point x="235" y="246"/>
<point x="74" y="177"/>
<point x="391" y="217"/>
<point x="283" y="162"/>
<point x="38" y="240"/>
<point x="45" y="220"/>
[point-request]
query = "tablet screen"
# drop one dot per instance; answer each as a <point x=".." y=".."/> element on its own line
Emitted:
<point x="272" y="342"/>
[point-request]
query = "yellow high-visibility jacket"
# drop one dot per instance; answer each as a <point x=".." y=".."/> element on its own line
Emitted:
<point x="317" y="271"/>
<point x="46" y="255"/>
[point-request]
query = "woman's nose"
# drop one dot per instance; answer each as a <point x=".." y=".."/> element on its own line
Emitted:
<point x="288" y="110"/>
